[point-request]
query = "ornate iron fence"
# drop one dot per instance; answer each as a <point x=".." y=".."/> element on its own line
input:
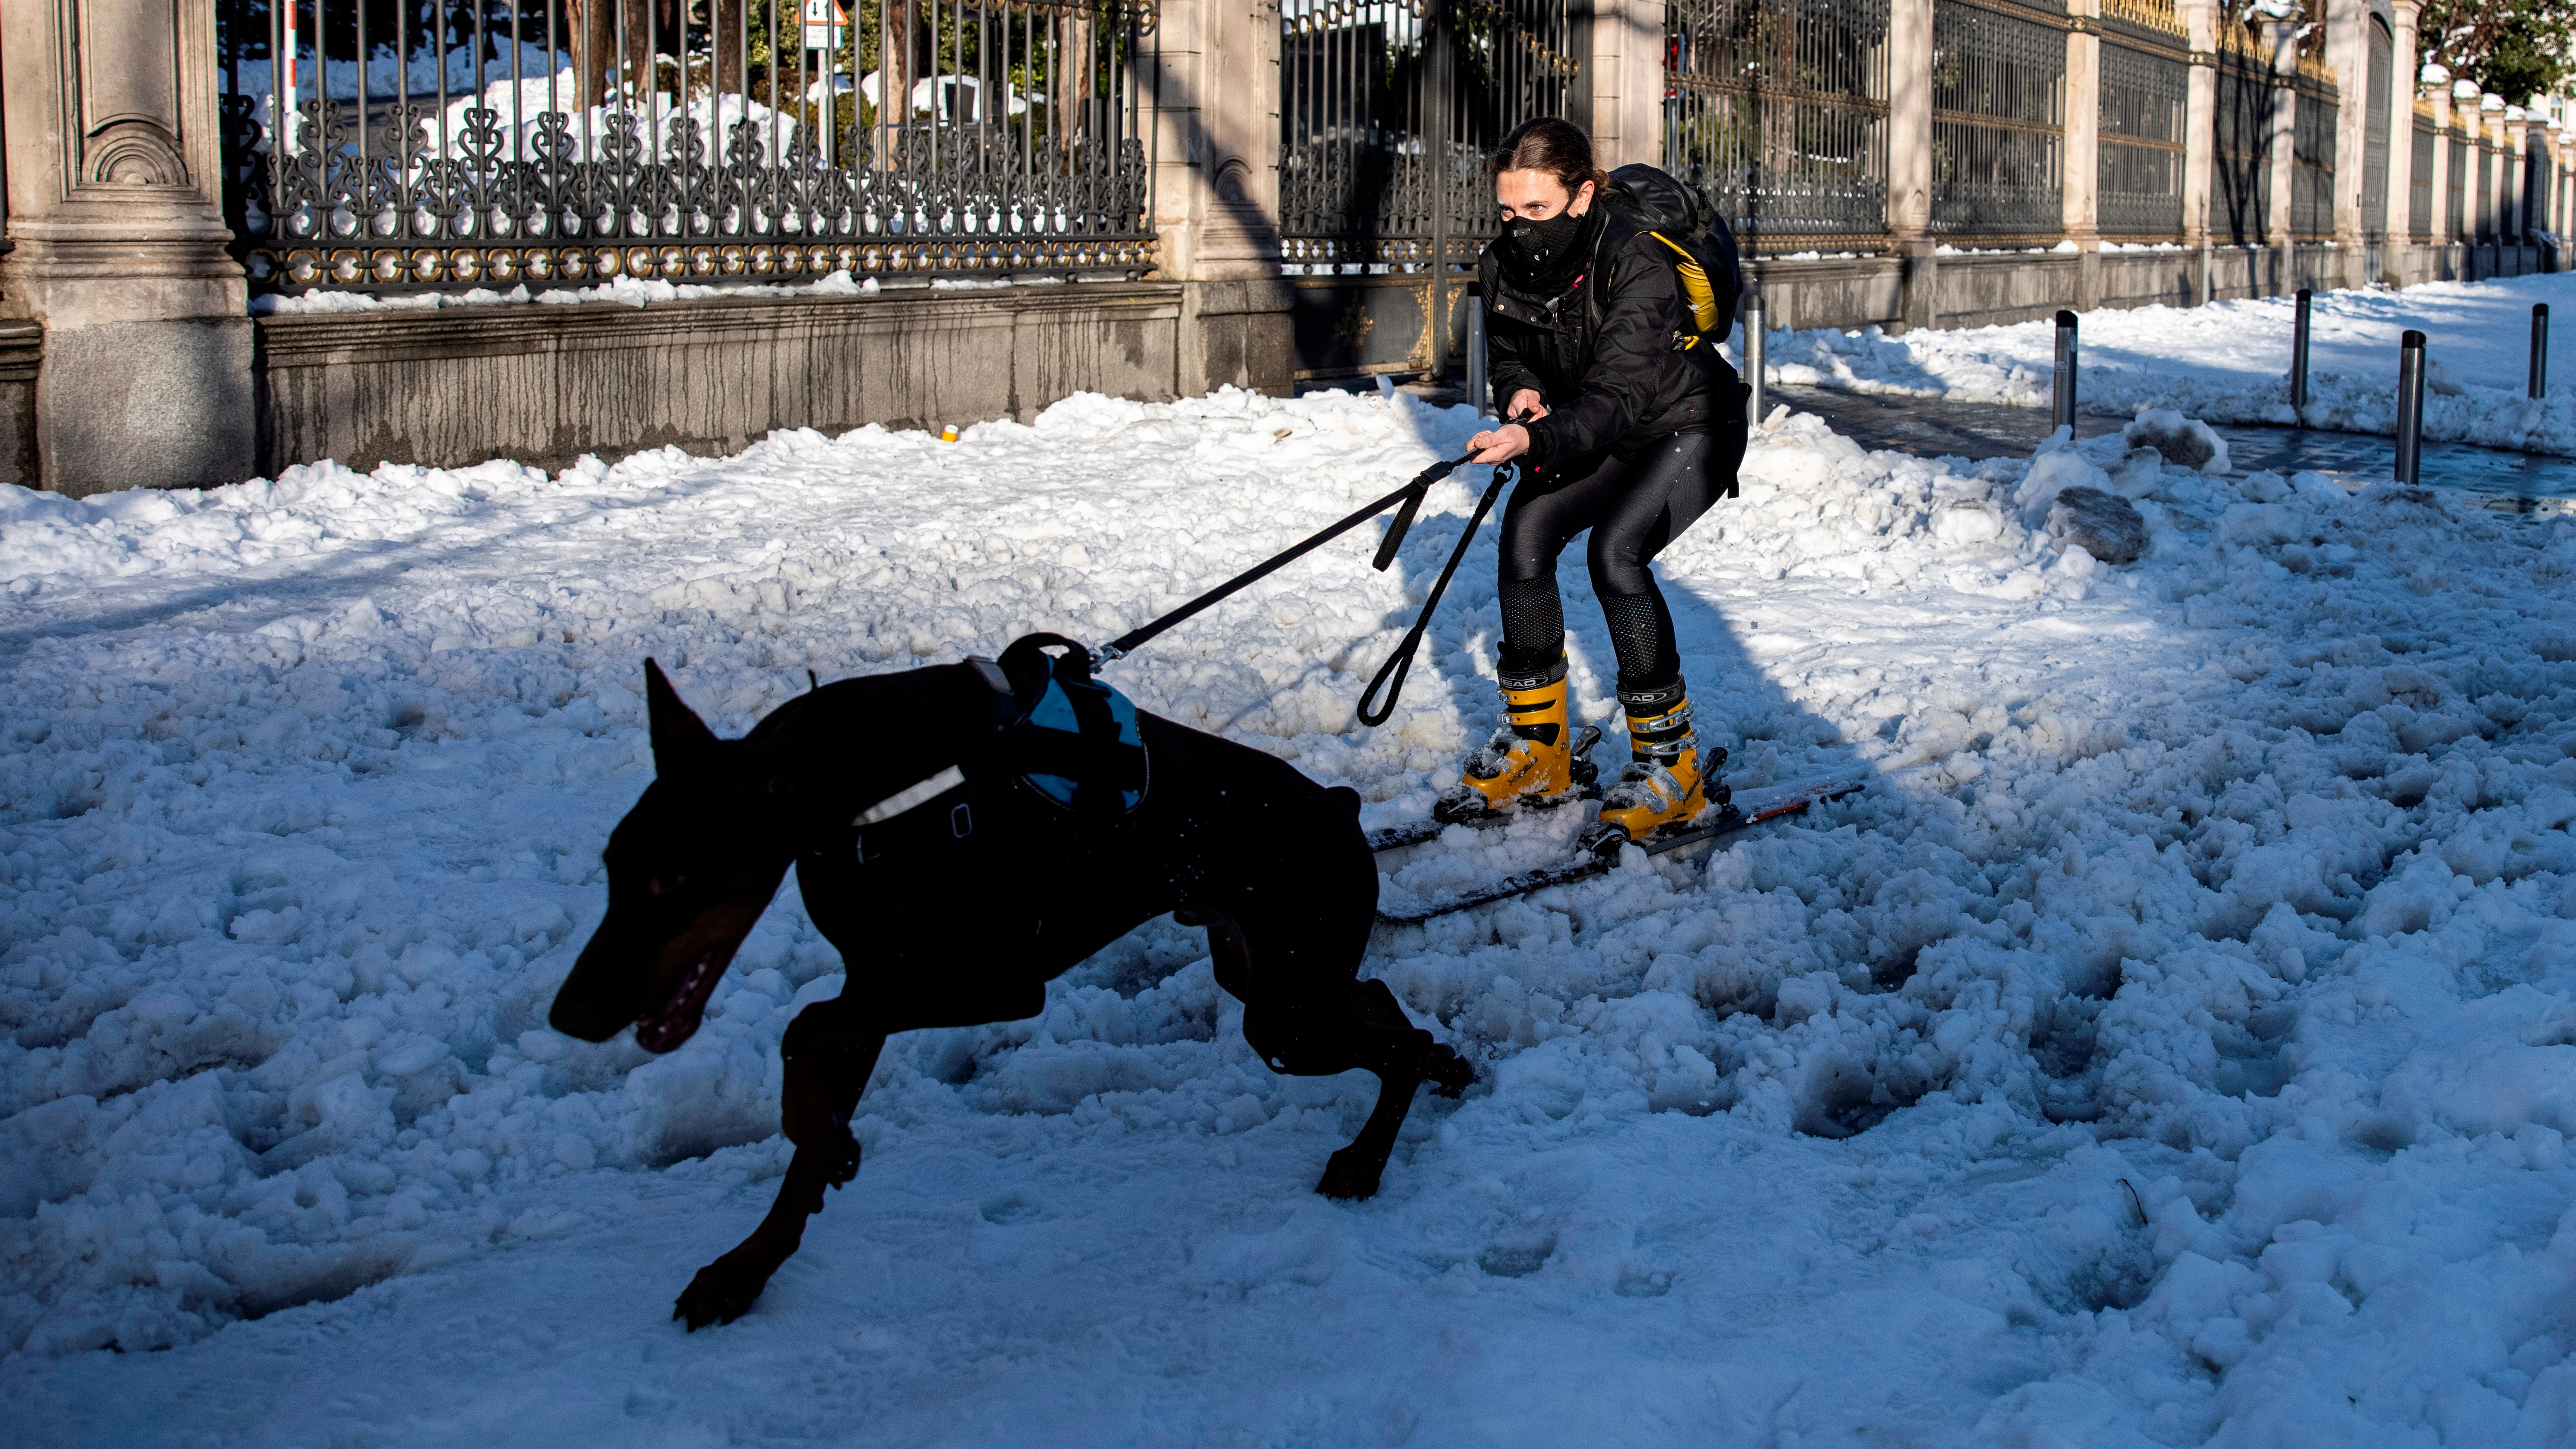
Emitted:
<point x="1778" y="113"/>
<point x="2531" y="217"/>
<point x="2458" y="205"/>
<point x="490" y="142"/>
<point x="2240" y="183"/>
<point x="1387" y="110"/>
<point x="2146" y="91"/>
<point x="1998" y="121"/>
<point x="2419" y="180"/>
<point x="2482" y="222"/>
<point x="2312" y="153"/>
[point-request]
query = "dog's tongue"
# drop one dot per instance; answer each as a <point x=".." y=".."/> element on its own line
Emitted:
<point x="678" y="1019"/>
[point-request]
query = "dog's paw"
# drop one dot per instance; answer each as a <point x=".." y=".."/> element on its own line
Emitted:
<point x="1351" y="1175"/>
<point x="722" y="1292"/>
<point x="1450" y="1074"/>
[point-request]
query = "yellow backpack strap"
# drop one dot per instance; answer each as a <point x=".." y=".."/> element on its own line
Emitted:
<point x="1695" y="287"/>
<point x="1678" y="248"/>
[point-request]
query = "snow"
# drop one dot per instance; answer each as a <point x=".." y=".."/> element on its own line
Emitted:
<point x="2229" y="362"/>
<point x="624" y="290"/>
<point x="2176" y="1042"/>
<point x="387" y="75"/>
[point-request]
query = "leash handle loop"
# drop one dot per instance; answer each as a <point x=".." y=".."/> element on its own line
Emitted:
<point x="1133" y="639"/>
<point x="1390" y="675"/>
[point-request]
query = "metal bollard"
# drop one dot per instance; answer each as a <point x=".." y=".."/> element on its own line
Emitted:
<point x="1479" y="380"/>
<point x="2540" y="349"/>
<point x="1756" y="348"/>
<point x="2410" y="407"/>
<point x="2061" y="411"/>
<point x="2299" y="359"/>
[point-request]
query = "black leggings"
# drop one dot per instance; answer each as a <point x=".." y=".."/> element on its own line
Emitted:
<point x="1634" y="506"/>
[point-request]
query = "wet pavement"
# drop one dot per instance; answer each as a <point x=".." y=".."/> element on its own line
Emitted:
<point x="1937" y="427"/>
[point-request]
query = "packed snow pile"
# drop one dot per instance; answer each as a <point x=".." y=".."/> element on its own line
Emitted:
<point x="2176" y="1039"/>
<point x="2229" y="362"/>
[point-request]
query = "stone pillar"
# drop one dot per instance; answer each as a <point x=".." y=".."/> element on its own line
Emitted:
<point x="2484" y="138"/>
<point x="2283" y="39"/>
<point x="2200" y="20"/>
<point x="2440" y="238"/>
<point x="2403" y="66"/>
<point x="2082" y="186"/>
<point x="1909" y="157"/>
<point x="1627" y="72"/>
<point x="115" y="219"/>
<point x="1216" y="192"/>
<point x="2348" y="52"/>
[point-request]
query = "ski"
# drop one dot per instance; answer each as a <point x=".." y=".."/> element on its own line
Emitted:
<point x="1752" y="808"/>
<point x="1414" y="832"/>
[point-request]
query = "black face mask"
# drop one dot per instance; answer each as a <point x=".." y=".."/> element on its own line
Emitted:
<point x="1543" y="250"/>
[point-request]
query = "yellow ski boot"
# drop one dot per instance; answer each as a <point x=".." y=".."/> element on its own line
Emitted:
<point x="1665" y="785"/>
<point x="1535" y="759"/>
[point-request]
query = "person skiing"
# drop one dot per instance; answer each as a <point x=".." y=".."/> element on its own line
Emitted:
<point x="1629" y="424"/>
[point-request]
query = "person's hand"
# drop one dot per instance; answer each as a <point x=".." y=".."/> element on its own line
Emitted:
<point x="1526" y="406"/>
<point x="1500" y="445"/>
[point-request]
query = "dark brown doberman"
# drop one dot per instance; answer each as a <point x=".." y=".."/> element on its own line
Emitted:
<point x="955" y="889"/>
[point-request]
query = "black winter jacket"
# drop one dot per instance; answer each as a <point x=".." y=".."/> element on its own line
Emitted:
<point x="1606" y="356"/>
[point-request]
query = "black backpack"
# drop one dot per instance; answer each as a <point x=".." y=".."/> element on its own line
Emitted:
<point x="1702" y="248"/>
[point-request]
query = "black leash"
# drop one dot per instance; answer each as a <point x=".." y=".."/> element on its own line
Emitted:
<point x="1400" y="663"/>
<point x="1407" y="501"/>
<point x="1410" y="496"/>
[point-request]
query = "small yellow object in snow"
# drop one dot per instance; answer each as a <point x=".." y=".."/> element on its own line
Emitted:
<point x="948" y="434"/>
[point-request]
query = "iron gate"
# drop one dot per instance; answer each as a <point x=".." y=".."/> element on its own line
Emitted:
<point x="2312" y="154"/>
<point x="1777" y="111"/>
<point x="1387" y="111"/>
<point x="2419" y="176"/>
<point x="1998" y="120"/>
<point x="2374" y="135"/>
<point x="498" y="142"/>
<point x="2240" y="180"/>
<point x="2146" y="89"/>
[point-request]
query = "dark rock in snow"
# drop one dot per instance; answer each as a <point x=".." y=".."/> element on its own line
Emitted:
<point x="2104" y="525"/>
<point x="2184" y="442"/>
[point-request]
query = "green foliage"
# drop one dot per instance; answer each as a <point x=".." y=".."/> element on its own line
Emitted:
<point x="2513" y="48"/>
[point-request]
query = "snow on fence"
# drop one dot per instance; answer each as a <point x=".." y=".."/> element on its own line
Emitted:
<point x="498" y="144"/>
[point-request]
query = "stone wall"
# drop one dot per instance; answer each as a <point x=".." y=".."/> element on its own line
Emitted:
<point x="546" y="384"/>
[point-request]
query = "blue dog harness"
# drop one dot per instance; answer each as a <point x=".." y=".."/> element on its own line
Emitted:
<point x="1067" y="736"/>
<point x="1082" y="748"/>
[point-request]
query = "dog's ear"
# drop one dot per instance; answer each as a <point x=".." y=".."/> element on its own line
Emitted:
<point x="679" y="736"/>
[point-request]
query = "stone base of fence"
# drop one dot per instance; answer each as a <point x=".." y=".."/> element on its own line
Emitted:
<point x="22" y="351"/>
<point x="2470" y="262"/>
<point x="545" y="385"/>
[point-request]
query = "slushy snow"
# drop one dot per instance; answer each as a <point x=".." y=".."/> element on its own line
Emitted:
<point x="2229" y="362"/>
<point x="2174" y="1043"/>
